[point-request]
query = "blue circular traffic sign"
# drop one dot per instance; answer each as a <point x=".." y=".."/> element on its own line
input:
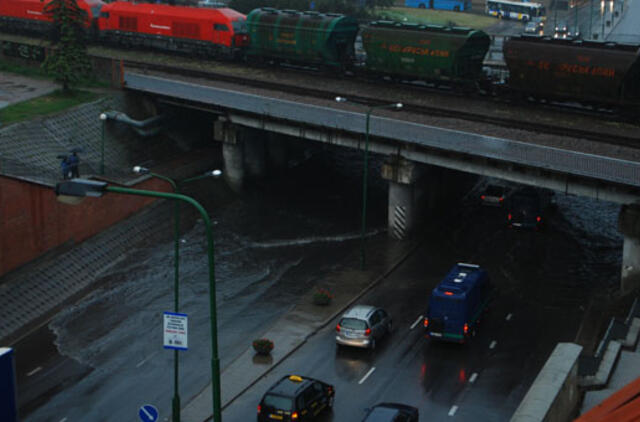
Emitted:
<point x="148" y="413"/>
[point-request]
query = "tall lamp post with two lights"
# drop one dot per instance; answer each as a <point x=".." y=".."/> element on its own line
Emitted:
<point x="175" y="185"/>
<point x="103" y="118"/>
<point x="365" y="171"/>
<point x="73" y="191"/>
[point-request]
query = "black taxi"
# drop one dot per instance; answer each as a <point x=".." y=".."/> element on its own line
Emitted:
<point x="295" y="398"/>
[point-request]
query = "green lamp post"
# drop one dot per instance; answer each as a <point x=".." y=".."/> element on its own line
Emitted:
<point x="365" y="171"/>
<point x="215" y="173"/>
<point x="103" y="118"/>
<point x="73" y="191"/>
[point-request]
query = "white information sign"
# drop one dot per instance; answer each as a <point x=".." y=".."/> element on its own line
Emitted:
<point x="175" y="331"/>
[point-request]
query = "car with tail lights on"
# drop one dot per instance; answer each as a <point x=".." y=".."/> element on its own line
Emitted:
<point x="363" y="326"/>
<point x="529" y="207"/>
<point x="457" y="304"/>
<point x="493" y="196"/>
<point x="295" y="398"/>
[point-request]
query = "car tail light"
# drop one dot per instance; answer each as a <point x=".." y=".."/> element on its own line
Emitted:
<point x="538" y="219"/>
<point x="500" y="199"/>
<point x="465" y="328"/>
<point x="329" y="390"/>
<point x="259" y="409"/>
<point x="338" y="327"/>
<point x="426" y="322"/>
<point x="448" y="293"/>
<point x="367" y="331"/>
<point x="509" y="217"/>
<point x="482" y="197"/>
<point x="294" y="416"/>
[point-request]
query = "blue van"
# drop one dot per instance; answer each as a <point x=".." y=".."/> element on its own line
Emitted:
<point x="456" y="304"/>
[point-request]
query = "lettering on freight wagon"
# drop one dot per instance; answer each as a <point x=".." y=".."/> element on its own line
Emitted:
<point x="286" y="38"/>
<point x="418" y="51"/>
<point x="579" y="69"/>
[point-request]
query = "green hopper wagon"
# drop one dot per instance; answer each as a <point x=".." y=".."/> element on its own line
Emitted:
<point x="424" y="52"/>
<point x="308" y="38"/>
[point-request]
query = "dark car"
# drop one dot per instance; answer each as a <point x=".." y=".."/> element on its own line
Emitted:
<point x="295" y="398"/>
<point x="391" y="412"/>
<point x="527" y="209"/>
<point x="533" y="27"/>
<point x="493" y="196"/>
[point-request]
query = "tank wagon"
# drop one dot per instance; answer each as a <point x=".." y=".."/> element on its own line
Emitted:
<point x="425" y="52"/>
<point x="584" y="71"/>
<point x="27" y="16"/>
<point x="199" y="31"/>
<point x="309" y="38"/>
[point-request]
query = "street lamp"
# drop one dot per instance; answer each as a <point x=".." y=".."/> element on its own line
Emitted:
<point x="393" y="106"/>
<point x="103" y="117"/>
<point x="214" y="173"/>
<point x="72" y="191"/>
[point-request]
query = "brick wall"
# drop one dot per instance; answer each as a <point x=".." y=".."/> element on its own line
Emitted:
<point x="33" y="222"/>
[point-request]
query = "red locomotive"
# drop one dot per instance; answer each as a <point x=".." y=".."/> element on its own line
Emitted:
<point x="191" y="30"/>
<point x="29" y="16"/>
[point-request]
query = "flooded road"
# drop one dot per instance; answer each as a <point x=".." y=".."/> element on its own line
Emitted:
<point x="272" y="244"/>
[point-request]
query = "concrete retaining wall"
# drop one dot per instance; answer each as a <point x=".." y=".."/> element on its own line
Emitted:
<point x="554" y="395"/>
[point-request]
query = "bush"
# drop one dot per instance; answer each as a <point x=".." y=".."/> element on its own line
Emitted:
<point x="322" y="297"/>
<point x="263" y="346"/>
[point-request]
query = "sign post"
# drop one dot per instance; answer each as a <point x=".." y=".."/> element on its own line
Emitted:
<point x="8" y="394"/>
<point x="148" y="413"/>
<point x="175" y="331"/>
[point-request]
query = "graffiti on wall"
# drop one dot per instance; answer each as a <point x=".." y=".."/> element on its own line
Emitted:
<point x="25" y="51"/>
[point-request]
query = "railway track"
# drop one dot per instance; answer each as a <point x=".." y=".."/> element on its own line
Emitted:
<point x="521" y="124"/>
<point x="535" y="126"/>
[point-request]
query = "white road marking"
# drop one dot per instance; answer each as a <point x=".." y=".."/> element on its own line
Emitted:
<point x="63" y="420"/>
<point x="493" y="344"/>
<point x="34" y="371"/>
<point x="453" y="410"/>
<point x="509" y="317"/>
<point x="141" y="362"/>
<point x="473" y="377"/>
<point x="367" y="375"/>
<point x="416" y="323"/>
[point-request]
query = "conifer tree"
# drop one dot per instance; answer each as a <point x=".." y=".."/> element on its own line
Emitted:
<point x="68" y="62"/>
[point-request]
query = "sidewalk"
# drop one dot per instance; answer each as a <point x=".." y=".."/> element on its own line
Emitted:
<point x="293" y="329"/>
<point x="621" y="368"/>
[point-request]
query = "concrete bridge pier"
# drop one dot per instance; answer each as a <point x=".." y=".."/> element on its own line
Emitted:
<point x="277" y="152"/>
<point x="629" y="226"/>
<point x="404" y="197"/>
<point x="232" y="153"/>
<point x="255" y="156"/>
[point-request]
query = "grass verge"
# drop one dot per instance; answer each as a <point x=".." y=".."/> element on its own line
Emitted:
<point x="47" y="104"/>
<point x="436" y="17"/>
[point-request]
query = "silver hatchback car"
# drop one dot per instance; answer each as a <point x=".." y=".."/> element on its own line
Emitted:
<point x="362" y="326"/>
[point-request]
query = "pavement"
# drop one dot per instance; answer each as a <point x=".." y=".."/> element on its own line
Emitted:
<point x="294" y="328"/>
<point x="620" y="366"/>
<point x="15" y="88"/>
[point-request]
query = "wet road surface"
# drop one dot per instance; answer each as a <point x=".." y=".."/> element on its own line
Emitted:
<point x="273" y="244"/>
<point x="535" y="307"/>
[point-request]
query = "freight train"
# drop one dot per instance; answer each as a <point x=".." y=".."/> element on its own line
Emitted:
<point x="587" y="72"/>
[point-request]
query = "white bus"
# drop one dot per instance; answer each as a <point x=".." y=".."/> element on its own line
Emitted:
<point x="519" y="10"/>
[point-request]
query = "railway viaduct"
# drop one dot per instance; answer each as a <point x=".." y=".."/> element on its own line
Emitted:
<point x="418" y="156"/>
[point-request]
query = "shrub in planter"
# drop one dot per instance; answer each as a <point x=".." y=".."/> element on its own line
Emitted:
<point x="322" y="296"/>
<point x="262" y="346"/>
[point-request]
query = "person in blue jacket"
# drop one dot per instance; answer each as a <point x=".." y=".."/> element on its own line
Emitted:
<point x="74" y="163"/>
<point x="66" y="169"/>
